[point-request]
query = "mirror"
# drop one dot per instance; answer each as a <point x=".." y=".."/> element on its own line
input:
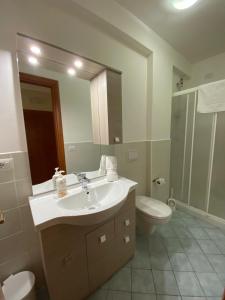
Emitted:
<point x="55" y="93"/>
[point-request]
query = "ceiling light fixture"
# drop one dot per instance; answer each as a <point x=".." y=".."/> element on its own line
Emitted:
<point x="35" y="49"/>
<point x="183" y="4"/>
<point x="33" y="60"/>
<point x="78" y="63"/>
<point x="71" y="71"/>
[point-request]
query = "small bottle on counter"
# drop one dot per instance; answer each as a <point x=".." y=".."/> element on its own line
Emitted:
<point x="55" y="176"/>
<point x="61" y="186"/>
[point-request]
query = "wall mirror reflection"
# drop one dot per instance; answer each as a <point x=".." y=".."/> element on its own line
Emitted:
<point x="66" y="122"/>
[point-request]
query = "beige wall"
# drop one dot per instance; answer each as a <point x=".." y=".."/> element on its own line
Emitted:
<point x="208" y="70"/>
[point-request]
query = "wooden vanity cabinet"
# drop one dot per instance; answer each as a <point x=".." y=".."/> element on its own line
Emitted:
<point x="106" y="107"/>
<point x="79" y="259"/>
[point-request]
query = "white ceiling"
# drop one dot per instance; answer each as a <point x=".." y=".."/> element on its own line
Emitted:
<point x="197" y="33"/>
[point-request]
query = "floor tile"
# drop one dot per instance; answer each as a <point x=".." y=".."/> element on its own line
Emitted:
<point x="190" y="246"/>
<point x="141" y="296"/>
<point x="180" y="262"/>
<point x="115" y="295"/>
<point x="208" y="247"/>
<point x="167" y="297"/>
<point x="188" y="284"/>
<point x="194" y="298"/>
<point x="156" y="245"/>
<point x="121" y="281"/>
<point x="205" y="224"/>
<point x="177" y="222"/>
<point x="160" y="262"/>
<point x="142" y="281"/>
<point x="173" y="245"/>
<point x="182" y="232"/>
<point x="198" y="233"/>
<point x="165" y="282"/>
<point x="99" y="295"/>
<point x="213" y="298"/>
<point x="210" y="284"/>
<point x="190" y="222"/>
<point x="218" y="262"/>
<point x="199" y="262"/>
<point x="215" y="234"/>
<point x="141" y="260"/>
<point x="141" y="242"/>
<point x="166" y="231"/>
<point x="222" y="277"/>
<point x="220" y="243"/>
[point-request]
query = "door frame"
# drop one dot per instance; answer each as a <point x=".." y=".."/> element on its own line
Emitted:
<point x="54" y="86"/>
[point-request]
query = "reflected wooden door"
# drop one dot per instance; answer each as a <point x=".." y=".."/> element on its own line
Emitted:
<point x="41" y="143"/>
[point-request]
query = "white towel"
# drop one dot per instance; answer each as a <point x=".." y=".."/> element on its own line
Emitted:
<point x="211" y="97"/>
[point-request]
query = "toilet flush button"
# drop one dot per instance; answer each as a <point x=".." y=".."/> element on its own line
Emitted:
<point x="6" y="164"/>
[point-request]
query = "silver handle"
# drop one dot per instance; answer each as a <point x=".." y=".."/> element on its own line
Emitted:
<point x="127" y="222"/>
<point x="127" y="239"/>
<point x="102" y="238"/>
<point x="2" y="217"/>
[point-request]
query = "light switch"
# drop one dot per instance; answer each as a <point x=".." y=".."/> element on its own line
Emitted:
<point x="132" y="155"/>
<point x="6" y="164"/>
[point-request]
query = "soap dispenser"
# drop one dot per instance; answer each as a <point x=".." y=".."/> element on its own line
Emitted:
<point x="61" y="185"/>
<point x="55" y="176"/>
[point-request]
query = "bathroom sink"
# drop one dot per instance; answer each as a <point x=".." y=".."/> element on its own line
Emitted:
<point x="80" y="208"/>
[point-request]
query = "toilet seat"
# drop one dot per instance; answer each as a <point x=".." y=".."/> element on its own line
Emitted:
<point x="153" y="208"/>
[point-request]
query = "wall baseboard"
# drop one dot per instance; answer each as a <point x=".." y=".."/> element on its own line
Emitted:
<point x="219" y="222"/>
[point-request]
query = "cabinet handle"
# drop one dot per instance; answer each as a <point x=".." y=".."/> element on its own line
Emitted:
<point x="127" y="239"/>
<point x="127" y="222"/>
<point x="2" y="217"/>
<point x="117" y="139"/>
<point x="102" y="239"/>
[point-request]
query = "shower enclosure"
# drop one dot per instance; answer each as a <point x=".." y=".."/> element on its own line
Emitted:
<point x="197" y="173"/>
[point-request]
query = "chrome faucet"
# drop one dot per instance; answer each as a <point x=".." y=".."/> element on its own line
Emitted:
<point x="83" y="180"/>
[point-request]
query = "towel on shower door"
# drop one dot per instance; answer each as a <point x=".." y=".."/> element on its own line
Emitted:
<point x="211" y="97"/>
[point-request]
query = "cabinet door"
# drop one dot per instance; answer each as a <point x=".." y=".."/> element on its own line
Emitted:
<point x="101" y="255"/>
<point x="114" y="96"/>
<point x="106" y="103"/>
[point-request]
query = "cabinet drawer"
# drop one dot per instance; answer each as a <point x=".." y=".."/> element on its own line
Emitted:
<point x="100" y="242"/>
<point x="125" y="221"/>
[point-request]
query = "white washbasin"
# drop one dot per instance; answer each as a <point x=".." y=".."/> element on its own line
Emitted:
<point x="78" y="208"/>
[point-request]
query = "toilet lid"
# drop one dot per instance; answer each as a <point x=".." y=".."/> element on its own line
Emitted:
<point x="154" y="208"/>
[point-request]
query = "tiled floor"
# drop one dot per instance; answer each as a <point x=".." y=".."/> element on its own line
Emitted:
<point x="182" y="260"/>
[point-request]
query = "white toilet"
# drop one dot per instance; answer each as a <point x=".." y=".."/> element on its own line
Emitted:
<point x="151" y="212"/>
<point x="19" y="286"/>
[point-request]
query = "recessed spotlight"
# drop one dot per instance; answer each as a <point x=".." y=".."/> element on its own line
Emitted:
<point x="78" y="63"/>
<point x="35" y="49"/>
<point x="183" y="4"/>
<point x="33" y="60"/>
<point x="71" y="71"/>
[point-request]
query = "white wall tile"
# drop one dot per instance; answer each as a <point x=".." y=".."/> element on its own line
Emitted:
<point x="12" y="223"/>
<point x="8" y="198"/>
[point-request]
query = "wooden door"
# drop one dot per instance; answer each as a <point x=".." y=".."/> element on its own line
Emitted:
<point x="41" y="143"/>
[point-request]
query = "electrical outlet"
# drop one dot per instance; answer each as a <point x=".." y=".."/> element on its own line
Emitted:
<point x="6" y="164"/>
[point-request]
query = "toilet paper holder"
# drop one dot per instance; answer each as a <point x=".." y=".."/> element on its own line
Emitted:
<point x="159" y="180"/>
